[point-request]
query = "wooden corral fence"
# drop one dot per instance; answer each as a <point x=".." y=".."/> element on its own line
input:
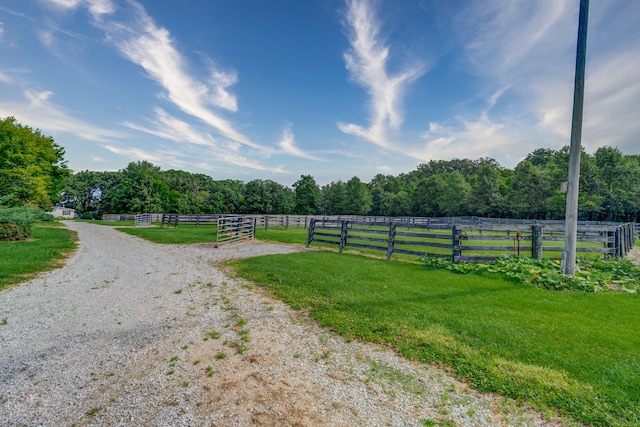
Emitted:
<point x="198" y="220"/>
<point x="469" y="242"/>
<point x="286" y="221"/>
<point x="235" y="229"/>
<point x="130" y="217"/>
<point x="118" y="217"/>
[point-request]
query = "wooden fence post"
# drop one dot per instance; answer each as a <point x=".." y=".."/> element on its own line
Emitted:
<point x="536" y="242"/>
<point x="266" y="222"/>
<point x="455" y="245"/>
<point x="611" y="235"/>
<point x="625" y="233"/>
<point x="343" y="235"/>
<point x="392" y="239"/>
<point x="312" y="228"/>
<point x="287" y="220"/>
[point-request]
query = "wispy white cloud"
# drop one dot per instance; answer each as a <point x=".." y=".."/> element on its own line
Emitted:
<point x="523" y="54"/>
<point x="367" y="62"/>
<point x="140" y="154"/>
<point x="139" y="39"/>
<point x="288" y="145"/>
<point x="171" y="128"/>
<point x="97" y="8"/>
<point x="144" y="43"/>
<point x="37" y="108"/>
<point x="506" y="40"/>
<point x="46" y="38"/>
<point x="470" y="139"/>
<point x="611" y="103"/>
<point x="5" y="78"/>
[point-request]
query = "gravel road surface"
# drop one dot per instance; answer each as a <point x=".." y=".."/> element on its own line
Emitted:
<point x="131" y="333"/>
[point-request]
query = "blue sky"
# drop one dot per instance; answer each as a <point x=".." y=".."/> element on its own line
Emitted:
<point x="253" y="89"/>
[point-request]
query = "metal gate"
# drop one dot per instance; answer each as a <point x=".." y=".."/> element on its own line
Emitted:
<point x="143" y="220"/>
<point x="235" y="229"/>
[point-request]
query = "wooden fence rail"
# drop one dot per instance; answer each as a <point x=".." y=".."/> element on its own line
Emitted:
<point x="468" y="242"/>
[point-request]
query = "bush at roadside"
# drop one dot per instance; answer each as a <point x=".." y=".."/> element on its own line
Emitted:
<point x="16" y="223"/>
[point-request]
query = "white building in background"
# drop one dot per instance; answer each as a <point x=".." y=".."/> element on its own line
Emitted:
<point x="62" y="212"/>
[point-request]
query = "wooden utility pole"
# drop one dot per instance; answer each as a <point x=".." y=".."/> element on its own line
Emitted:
<point x="571" y="216"/>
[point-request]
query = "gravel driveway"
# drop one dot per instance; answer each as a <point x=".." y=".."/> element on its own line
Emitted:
<point x="131" y="333"/>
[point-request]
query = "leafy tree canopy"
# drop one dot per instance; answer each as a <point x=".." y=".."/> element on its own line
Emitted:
<point x="609" y="190"/>
<point x="32" y="166"/>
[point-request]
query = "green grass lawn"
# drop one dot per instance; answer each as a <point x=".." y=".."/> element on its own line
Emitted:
<point x="574" y="353"/>
<point x="185" y="234"/>
<point x="19" y="261"/>
<point x="294" y="235"/>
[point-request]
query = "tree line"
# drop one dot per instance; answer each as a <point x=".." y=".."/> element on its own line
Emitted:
<point x="33" y="172"/>
<point x="609" y="190"/>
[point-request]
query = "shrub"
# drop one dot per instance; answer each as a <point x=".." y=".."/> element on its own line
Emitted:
<point x="16" y="223"/>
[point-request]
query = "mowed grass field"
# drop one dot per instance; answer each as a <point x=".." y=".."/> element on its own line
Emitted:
<point x="19" y="261"/>
<point x="570" y="353"/>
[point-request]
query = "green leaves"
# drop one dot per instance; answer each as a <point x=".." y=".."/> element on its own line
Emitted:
<point x="32" y="167"/>
<point x="592" y="275"/>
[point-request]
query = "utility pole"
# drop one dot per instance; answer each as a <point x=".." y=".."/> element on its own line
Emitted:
<point x="571" y="215"/>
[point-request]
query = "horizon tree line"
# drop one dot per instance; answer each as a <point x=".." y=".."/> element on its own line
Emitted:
<point x="33" y="172"/>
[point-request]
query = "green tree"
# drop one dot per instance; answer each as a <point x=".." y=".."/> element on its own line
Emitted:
<point x="307" y="195"/>
<point x="453" y="196"/>
<point x="331" y="199"/>
<point x="89" y="192"/>
<point x="426" y="196"/>
<point x="386" y="192"/>
<point x="32" y="166"/>
<point x="357" y="198"/>
<point x="141" y="189"/>
<point x="529" y="192"/>
<point x="617" y="181"/>
<point x="226" y="197"/>
<point x="267" y="197"/>
<point x="485" y="197"/>
<point x="189" y="192"/>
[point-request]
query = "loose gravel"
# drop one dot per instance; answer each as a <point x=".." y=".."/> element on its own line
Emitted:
<point x="131" y="333"/>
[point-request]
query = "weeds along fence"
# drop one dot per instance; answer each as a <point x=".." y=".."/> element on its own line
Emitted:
<point x="469" y="242"/>
<point x="234" y="229"/>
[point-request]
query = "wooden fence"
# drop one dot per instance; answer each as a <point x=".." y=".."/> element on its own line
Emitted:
<point x="198" y="220"/>
<point x="469" y="242"/>
<point x="235" y="229"/>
